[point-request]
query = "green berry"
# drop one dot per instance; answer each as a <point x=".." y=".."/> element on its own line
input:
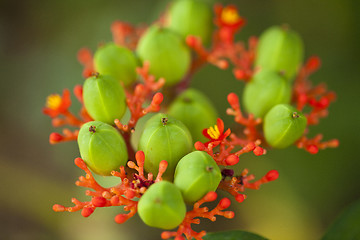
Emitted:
<point x="116" y="61"/>
<point x="191" y="17"/>
<point x="283" y="125"/>
<point x="280" y="49"/>
<point x="104" y="98"/>
<point x="164" y="138"/>
<point x="195" y="110"/>
<point x="265" y="90"/>
<point x="196" y="174"/>
<point x="102" y="147"/>
<point x="162" y="206"/>
<point x="167" y="53"/>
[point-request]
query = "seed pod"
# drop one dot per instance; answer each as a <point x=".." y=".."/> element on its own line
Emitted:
<point x="196" y="174"/>
<point x="104" y="98"/>
<point x="102" y="147"/>
<point x="162" y="206"/>
<point x="280" y="49"/>
<point x="283" y="125"/>
<point x="117" y="62"/>
<point x="266" y="89"/>
<point x="167" y="53"/>
<point x="164" y="138"/>
<point x="195" y="110"/>
<point x="191" y="17"/>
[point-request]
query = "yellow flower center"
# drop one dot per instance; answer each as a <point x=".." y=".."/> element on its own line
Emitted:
<point x="214" y="132"/>
<point x="53" y="101"/>
<point x="230" y="15"/>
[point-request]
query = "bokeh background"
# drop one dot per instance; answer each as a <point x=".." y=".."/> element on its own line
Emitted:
<point x="38" y="44"/>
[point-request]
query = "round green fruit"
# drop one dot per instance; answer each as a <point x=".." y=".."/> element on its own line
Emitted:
<point x="162" y="206"/>
<point x="283" y="125"/>
<point x="280" y="49"/>
<point x="195" y="110"/>
<point x="265" y="90"/>
<point x="104" y="98"/>
<point x="102" y="147"/>
<point x="191" y="17"/>
<point x="196" y="174"/>
<point x="167" y="53"/>
<point x="164" y="138"/>
<point x="116" y="61"/>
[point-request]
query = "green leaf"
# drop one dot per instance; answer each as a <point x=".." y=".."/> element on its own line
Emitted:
<point x="347" y="225"/>
<point x="233" y="235"/>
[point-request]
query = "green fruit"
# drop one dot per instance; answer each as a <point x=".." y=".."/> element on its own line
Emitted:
<point x="140" y="126"/>
<point x="191" y="17"/>
<point x="283" y="125"/>
<point x="116" y="61"/>
<point x="167" y="53"/>
<point x="162" y="206"/>
<point x="265" y="90"/>
<point x="164" y="138"/>
<point x="196" y="174"/>
<point x="104" y="98"/>
<point x="195" y="110"/>
<point x="280" y="49"/>
<point x="102" y="147"/>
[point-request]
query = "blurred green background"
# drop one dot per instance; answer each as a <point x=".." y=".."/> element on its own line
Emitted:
<point x="38" y="45"/>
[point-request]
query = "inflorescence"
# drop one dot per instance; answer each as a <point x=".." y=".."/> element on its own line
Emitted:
<point x="223" y="145"/>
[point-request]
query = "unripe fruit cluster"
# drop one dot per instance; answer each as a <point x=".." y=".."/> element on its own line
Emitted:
<point x="278" y="58"/>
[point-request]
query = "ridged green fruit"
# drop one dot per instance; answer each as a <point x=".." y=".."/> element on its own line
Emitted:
<point x="162" y="206"/>
<point x="283" y="125"/>
<point x="265" y="90"/>
<point x="196" y="174"/>
<point x="280" y="49"/>
<point x="167" y="53"/>
<point x="102" y="147"/>
<point x="191" y="17"/>
<point x="118" y="62"/>
<point x="104" y="98"/>
<point x="164" y="138"/>
<point x="195" y="110"/>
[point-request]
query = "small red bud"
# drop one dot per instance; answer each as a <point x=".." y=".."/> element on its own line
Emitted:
<point x="80" y="163"/>
<point x="312" y="149"/>
<point x="258" y="151"/>
<point x="199" y="146"/>
<point x="272" y="175"/>
<point x="324" y="102"/>
<point x="232" y="160"/>
<point x="140" y="157"/>
<point x="191" y="41"/>
<point x="313" y="63"/>
<point x="240" y="198"/>
<point x="121" y="218"/>
<point x="58" y="208"/>
<point x="98" y="201"/>
<point x="210" y="196"/>
<point x="55" y="138"/>
<point x="157" y="99"/>
<point x="130" y="194"/>
<point x="233" y="99"/>
<point x="224" y="203"/>
<point x="239" y="74"/>
<point x="86" y="212"/>
<point x="114" y="200"/>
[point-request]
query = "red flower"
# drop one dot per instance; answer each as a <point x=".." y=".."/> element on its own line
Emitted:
<point x="228" y="17"/>
<point x="56" y="104"/>
<point x="216" y="134"/>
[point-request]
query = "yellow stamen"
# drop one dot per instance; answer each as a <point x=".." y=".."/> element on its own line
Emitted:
<point x="230" y="15"/>
<point x="53" y="101"/>
<point x="214" y="132"/>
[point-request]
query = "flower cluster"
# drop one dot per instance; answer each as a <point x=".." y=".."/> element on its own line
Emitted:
<point x="115" y="83"/>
